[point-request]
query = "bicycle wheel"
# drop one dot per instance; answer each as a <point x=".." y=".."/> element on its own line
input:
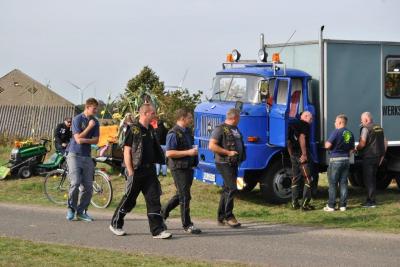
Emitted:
<point x="56" y="187"/>
<point x="102" y="190"/>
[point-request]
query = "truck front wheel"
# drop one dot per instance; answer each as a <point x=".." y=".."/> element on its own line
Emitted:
<point x="276" y="181"/>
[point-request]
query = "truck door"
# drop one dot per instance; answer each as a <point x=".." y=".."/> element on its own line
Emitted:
<point x="279" y="113"/>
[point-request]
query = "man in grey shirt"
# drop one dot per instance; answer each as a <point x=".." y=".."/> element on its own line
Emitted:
<point x="85" y="132"/>
<point x="226" y="142"/>
<point x="372" y="147"/>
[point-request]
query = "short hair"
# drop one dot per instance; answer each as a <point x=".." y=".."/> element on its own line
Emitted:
<point x="367" y="114"/>
<point x="182" y="113"/>
<point x="343" y="117"/>
<point x="232" y="113"/>
<point x="304" y="113"/>
<point x="91" y="102"/>
<point x="146" y="107"/>
<point x="67" y="119"/>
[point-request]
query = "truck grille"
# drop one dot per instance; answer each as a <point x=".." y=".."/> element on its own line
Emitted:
<point x="208" y="123"/>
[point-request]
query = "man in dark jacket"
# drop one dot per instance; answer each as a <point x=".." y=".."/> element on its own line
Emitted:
<point x="300" y="157"/>
<point x="62" y="135"/>
<point x="182" y="157"/>
<point x="141" y="152"/>
<point x="227" y="144"/>
<point x="372" y="147"/>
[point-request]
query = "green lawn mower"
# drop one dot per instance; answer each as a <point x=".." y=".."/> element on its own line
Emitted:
<point x="27" y="159"/>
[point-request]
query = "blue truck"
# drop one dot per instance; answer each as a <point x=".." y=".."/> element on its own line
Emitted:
<point x="326" y="77"/>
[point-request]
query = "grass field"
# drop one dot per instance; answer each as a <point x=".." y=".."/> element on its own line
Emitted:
<point x="248" y="207"/>
<point x="14" y="252"/>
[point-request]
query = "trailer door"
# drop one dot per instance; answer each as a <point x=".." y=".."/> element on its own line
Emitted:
<point x="279" y="114"/>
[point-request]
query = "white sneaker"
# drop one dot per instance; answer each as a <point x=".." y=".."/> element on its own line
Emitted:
<point x="326" y="208"/>
<point x="163" y="235"/>
<point x="343" y="208"/>
<point x="117" y="231"/>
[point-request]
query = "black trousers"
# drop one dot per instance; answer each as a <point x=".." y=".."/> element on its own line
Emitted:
<point x="183" y="179"/>
<point x="370" y="168"/>
<point x="229" y="189"/>
<point x="301" y="175"/>
<point x="144" y="180"/>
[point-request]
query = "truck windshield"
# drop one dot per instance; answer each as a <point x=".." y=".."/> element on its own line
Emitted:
<point x="236" y="88"/>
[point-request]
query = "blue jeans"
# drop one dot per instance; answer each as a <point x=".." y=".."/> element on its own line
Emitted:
<point x="81" y="171"/>
<point x="338" y="172"/>
<point x="162" y="169"/>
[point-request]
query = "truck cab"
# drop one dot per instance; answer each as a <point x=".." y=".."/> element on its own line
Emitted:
<point x="270" y="96"/>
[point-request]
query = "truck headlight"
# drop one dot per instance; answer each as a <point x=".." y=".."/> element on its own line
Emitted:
<point x="262" y="55"/>
<point x="236" y="55"/>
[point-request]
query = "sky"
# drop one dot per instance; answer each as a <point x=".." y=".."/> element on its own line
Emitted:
<point x="104" y="43"/>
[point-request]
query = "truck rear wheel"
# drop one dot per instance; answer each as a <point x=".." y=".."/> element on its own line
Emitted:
<point x="355" y="178"/>
<point x="383" y="178"/>
<point x="276" y="181"/>
<point x="251" y="179"/>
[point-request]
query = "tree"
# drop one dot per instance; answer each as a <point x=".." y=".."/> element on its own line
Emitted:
<point x="147" y="87"/>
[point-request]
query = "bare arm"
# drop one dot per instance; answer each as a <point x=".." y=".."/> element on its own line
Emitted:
<point x="290" y="148"/>
<point x="303" y="147"/>
<point x="128" y="159"/>
<point x="176" y="154"/>
<point x="361" y="144"/>
<point x="214" y="147"/>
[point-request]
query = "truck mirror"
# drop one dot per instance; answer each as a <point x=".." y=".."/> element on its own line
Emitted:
<point x="239" y="105"/>
<point x="264" y="90"/>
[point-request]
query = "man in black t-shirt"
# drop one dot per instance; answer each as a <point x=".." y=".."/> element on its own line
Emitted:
<point x="300" y="157"/>
<point x="141" y="152"/>
<point x="62" y="135"/>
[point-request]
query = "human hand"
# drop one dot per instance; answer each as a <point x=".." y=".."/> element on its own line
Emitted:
<point x="193" y="152"/>
<point x="91" y="123"/>
<point x="232" y="153"/>
<point x="64" y="144"/>
<point x="303" y="158"/>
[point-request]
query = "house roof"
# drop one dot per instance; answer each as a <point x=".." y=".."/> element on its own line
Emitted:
<point x="17" y="88"/>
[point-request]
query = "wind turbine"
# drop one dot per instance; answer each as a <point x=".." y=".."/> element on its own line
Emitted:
<point x="81" y="90"/>
<point x="180" y="86"/>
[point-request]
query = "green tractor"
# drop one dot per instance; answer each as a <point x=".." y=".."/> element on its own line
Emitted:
<point x="27" y="158"/>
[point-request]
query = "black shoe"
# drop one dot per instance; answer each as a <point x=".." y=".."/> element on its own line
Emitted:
<point x="369" y="205"/>
<point x="192" y="230"/>
<point x="307" y="207"/>
<point x="295" y="205"/>
<point x="164" y="219"/>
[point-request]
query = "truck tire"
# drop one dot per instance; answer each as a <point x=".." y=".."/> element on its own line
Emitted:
<point x="355" y="178"/>
<point x="383" y="178"/>
<point x="398" y="180"/>
<point x="276" y="181"/>
<point x="251" y="180"/>
<point x="24" y="172"/>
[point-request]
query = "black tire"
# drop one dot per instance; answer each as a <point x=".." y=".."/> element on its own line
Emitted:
<point x="102" y="190"/>
<point x="398" y="181"/>
<point x="275" y="182"/>
<point x="24" y="172"/>
<point x="56" y="187"/>
<point x="383" y="178"/>
<point x="251" y="180"/>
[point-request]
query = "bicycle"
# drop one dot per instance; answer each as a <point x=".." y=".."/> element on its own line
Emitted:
<point x="56" y="185"/>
